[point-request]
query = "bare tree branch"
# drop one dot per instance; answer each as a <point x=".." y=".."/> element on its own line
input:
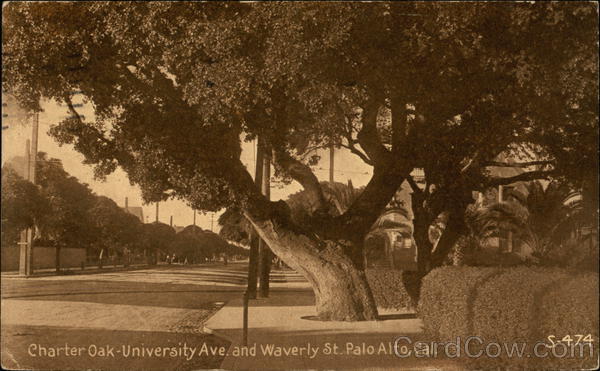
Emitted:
<point x="358" y="152"/>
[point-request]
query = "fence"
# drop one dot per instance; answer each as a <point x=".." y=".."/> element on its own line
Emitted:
<point x="43" y="257"/>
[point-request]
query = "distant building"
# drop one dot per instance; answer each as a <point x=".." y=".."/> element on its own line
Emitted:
<point x="394" y="226"/>
<point x="398" y="249"/>
<point x="134" y="210"/>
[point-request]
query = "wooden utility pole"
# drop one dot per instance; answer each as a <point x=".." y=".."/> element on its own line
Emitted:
<point x="157" y="212"/>
<point x="253" y="255"/>
<point x="24" y="247"/>
<point x="265" y="254"/>
<point x="26" y="252"/>
<point x="331" y="168"/>
<point x="194" y="217"/>
<point x="171" y="223"/>
<point x="34" y="149"/>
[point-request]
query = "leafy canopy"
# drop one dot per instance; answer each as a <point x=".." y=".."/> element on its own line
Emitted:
<point x="176" y="86"/>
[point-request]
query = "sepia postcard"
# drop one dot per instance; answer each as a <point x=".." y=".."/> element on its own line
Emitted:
<point x="261" y="185"/>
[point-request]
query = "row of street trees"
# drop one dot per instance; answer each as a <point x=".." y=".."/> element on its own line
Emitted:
<point x="66" y="213"/>
<point x="442" y="87"/>
<point x="63" y="212"/>
<point x="196" y="246"/>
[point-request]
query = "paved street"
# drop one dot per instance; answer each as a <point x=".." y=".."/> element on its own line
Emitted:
<point x="174" y="317"/>
<point x="164" y="306"/>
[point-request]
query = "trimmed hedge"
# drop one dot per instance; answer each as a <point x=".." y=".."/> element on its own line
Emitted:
<point x="388" y="289"/>
<point x="512" y="305"/>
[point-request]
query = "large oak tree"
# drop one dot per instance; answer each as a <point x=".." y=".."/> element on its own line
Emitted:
<point x="176" y="87"/>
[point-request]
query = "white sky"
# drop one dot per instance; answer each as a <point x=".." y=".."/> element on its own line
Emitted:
<point x="16" y="130"/>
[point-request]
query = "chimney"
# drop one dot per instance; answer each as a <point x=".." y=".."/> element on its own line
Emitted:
<point x="126" y="204"/>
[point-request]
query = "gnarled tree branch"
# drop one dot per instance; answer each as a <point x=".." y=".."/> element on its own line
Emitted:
<point x="399" y="123"/>
<point x="302" y="174"/>
<point x="368" y="137"/>
<point x="518" y="164"/>
<point x="524" y="177"/>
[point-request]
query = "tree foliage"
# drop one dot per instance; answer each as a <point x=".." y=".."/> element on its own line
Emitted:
<point x="69" y="224"/>
<point x="64" y="211"/>
<point x="157" y="237"/>
<point x="446" y="88"/>
<point x="480" y="76"/>
<point x="197" y="244"/>
<point x="114" y="228"/>
<point x="22" y="205"/>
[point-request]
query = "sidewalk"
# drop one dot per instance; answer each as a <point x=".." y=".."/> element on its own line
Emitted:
<point x="44" y="272"/>
<point x="281" y="336"/>
<point x="108" y="268"/>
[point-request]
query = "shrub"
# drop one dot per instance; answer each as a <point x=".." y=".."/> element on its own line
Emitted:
<point x="511" y="305"/>
<point x="388" y="289"/>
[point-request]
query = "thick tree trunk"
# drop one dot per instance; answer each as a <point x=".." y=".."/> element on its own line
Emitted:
<point x="339" y="283"/>
<point x="421" y="222"/>
<point x="342" y="292"/>
<point x="429" y="258"/>
<point x="453" y="231"/>
<point x="424" y="245"/>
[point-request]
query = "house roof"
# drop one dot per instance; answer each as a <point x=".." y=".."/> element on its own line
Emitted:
<point x="135" y="210"/>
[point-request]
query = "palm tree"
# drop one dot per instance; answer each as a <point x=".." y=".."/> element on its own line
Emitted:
<point x="380" y="232"/>
<point x="541" y="217"/>
<point x="481" y="225"/>
<point x="341" y="195"/>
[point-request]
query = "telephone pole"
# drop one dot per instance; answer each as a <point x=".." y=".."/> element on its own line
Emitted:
<point x="157" y="212"/>
<point x="253" y="255"/>
<point x="26" y="251"/>
<point x="264" y="252"/>
<point x="34" y="148"/>
<point x="194" y="217"/>
<point x="24" y="247"/>
<point x="331" y="169"/>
